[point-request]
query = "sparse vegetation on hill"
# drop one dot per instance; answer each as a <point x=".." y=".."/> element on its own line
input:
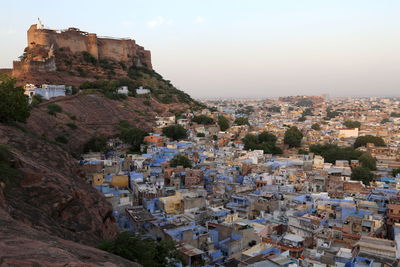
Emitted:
<point x="53" y="109"/>
<point x="96" y="144"/>
<point x="9" y="174"/>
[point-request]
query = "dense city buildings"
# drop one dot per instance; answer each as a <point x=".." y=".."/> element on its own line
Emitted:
<point x="295" y="181"/>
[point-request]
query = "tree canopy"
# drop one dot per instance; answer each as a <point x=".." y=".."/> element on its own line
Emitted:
<point x="180" y="160"/>
<point x="264" y="141"/>
<point x="223" y="123"/>
<point x="367" y="161"/>
<point x="274" y="109"/>
<point x="352" y="124"/>
<point x="134" y="137"/>
<point x="145" y="251"/>
<point x="307" y="112"/>
<point x="96" y="144"/>
<point x="203" y="119"/>
<point x="293" y="137"/>
<point x="331" y="152"/>
<point x="175" y="132"/>
<point x="364" y="140"/>
<point x="14" y="105"/>
<point x="316" y="127"/>
<point x="241" y="121"/>
<point x="362" y="174"/>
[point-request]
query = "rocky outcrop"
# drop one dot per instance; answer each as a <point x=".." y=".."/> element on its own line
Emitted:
<point x="51" y="196"/>
<point x="21" y="245"/>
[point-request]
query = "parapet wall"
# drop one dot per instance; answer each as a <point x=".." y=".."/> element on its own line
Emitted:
<point x="125" y="50"/>
<point x="21" y="67"/>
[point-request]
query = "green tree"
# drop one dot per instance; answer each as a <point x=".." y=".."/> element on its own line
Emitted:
<point x="134" y="137"/>
<point x="10" y="175"/>
<point x="36" y="100"/>
<point x="305" y="103"/>
<point x="274" y="109"/>
<point x="145" y="251"/>
<point x="331" y="152"/>
<point x="352" y="124"/>
<point x="203" y="119"/>
<point x="307" y="112"/>
<point x="367" y="161"/>
<point x="293" y="137"/>
<point x="302" y="151"/>
<point x="96" y="144"/>
<point x="52" y="109"/>
<point x="316" y="127"/>
<point x="331" y="114"/>
<point x="264" y="141"/>
<point x="395" y="115"/>
<point x="302" y="118"/>
<point x="223" y="123"/>
<point x="180" y="160"/>
<point x="250" y="142"/>
<point x="364" y="140"/>
<point x="14" y="105"/>
<point x="395" y="172"/>
<point x="241" y="121"/>
<point x="267" y="137"/>
<point x="385" y="120"/>
<point x="362" y="174"/>
<point x="175" y="132"/>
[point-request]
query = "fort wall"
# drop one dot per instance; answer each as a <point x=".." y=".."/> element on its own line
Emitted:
<point x="21" y="67"/>
<point x="6" y="71"/>
<point x="125" y="50"/>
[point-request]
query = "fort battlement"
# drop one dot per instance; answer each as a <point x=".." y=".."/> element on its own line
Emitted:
<point x="77" y="41"/>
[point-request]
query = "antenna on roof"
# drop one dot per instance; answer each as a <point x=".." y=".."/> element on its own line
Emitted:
<point x="40" y="24"/>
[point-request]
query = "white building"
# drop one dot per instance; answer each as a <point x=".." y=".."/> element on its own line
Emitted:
<point x="142" y="91"/>
<point x="123" y="90"/>
<point x="47" y="91"/>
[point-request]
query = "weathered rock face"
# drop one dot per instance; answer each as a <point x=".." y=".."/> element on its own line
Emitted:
<point x="21" y="245"/>
<point x="52" y="196"/>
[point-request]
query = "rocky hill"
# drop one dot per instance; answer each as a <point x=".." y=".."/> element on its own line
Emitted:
<point x="49" y="215"/>
<point x="89" y="114"/>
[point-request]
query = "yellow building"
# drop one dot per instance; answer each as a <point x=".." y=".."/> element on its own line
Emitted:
<point x="120" y="181"/>
<point x="172" y="204"/>
<point x="98" y="179"/>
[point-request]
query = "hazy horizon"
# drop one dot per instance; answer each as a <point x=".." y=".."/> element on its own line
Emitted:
<point x="239" y="48"/>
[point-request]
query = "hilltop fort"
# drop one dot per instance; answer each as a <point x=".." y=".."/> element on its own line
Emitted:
<point x="50" y="50"/>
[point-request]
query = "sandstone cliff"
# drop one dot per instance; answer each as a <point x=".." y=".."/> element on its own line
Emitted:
<point x="21" y="245"/>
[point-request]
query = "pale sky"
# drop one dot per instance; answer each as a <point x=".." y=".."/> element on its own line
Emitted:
<point x="238" y="48"/>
